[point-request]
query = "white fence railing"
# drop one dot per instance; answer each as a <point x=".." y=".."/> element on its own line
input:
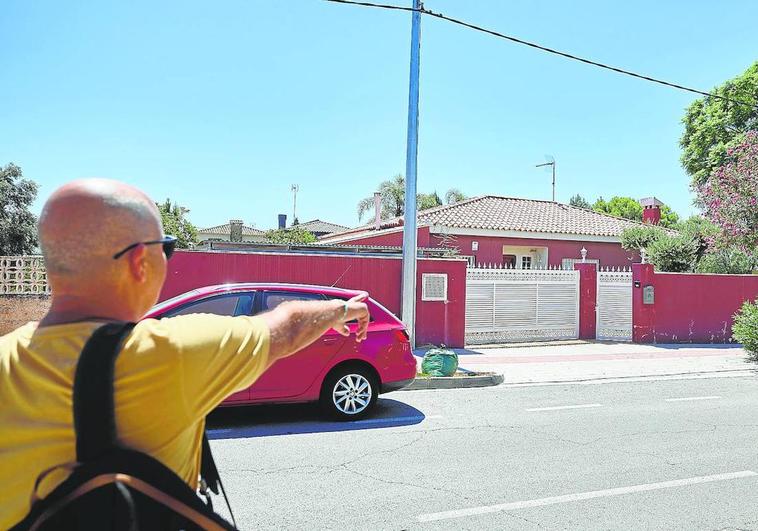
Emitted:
<point x="23" y="275"/>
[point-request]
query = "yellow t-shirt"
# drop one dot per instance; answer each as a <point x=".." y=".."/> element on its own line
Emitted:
<point x="169" y="375"/>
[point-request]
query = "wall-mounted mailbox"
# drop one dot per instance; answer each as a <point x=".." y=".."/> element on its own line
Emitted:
<point x="648" y="295"/>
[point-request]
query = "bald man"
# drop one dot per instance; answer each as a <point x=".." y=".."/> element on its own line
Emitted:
<point x="106" y="254"/>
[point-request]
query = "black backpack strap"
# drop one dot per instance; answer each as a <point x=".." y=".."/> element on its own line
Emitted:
<point x="94" y="417"/>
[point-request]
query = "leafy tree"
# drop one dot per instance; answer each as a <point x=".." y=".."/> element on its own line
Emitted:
<point x="621" y="207"/>
<point x="630" y="208"/>
<point x="640" y="237"/>
<point x="579" y="201"/>
<point x="454" y="195"/>
<point x="425" y="201"/>
<point x="674" y="253"/>
<point x="730" y="261"/>
<point x="712" y="126"/>
<point x="730" y="195"/>
<point x="745" y="328"/>
<point x="292" y="235"/>
<point x="18" y="226"/>
<point x="393" y="199"/>
<point x="176" y="224"/>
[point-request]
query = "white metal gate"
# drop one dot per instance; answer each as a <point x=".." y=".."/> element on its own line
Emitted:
<point x="614" y="305"/>
<point x="509" y="305"/>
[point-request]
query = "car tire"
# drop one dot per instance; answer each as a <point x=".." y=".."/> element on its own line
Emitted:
<point x="349" y="393"/>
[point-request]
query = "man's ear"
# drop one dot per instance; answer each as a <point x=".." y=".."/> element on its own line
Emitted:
<point x="137" y="259"/>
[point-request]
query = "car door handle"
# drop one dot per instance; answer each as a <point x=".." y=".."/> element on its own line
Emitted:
<point x="330" y="340"/>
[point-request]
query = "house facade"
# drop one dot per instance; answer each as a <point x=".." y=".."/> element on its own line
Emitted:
<point x="508" y="232"/>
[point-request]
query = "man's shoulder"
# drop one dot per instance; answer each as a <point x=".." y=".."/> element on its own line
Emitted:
<point x="22" y="333"/>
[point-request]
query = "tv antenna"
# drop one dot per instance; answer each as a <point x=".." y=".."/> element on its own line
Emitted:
<point x="295" y="189"/>
<point x="550" y="162"/>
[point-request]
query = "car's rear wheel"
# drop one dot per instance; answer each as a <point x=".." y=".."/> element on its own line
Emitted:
<point x="349" y="393"/>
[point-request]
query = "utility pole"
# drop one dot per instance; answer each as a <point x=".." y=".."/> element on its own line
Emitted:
<point x="409" y="226"/>
<point x="295" y="188"/>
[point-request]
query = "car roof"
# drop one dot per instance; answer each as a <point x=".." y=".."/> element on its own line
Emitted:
<point x="242" y="286"/>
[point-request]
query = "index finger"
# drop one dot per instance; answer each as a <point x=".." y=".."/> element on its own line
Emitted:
<point x="362" y="296"/>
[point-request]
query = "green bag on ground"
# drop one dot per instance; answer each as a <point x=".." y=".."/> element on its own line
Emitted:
<point x="440" y="362"/>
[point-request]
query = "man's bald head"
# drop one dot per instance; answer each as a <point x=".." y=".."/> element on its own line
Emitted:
<point x="85" y="222"/>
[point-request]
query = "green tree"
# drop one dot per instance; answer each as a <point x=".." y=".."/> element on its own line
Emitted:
<point x="18" y="226"/>
<point x="454" y="195"/>
<point x="673" y="253"/>
<point x="425" y="201"/>
<point x="640" y="237"/>
<point x="621" y="207"/>
<point x="713" y="126"/>
<point x="292" y="235"/>
<point x="667" y="251"/>
<point x="393" y="199"/>
<point x="579" y="201"/>
<point x="730" y="261"/>
<point x="630" y="208"/>
<point x="730" y="196"/>
<point x="176" y="224"/>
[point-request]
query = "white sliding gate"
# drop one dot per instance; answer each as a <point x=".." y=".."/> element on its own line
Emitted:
<point x="510" y="305"/>
<point x="614" y="305"/>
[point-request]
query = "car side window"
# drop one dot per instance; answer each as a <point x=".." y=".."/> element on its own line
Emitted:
<point x="230" y="305"/>
<point x="272" y="299"/>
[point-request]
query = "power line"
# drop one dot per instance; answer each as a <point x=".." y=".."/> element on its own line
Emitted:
<point x="548" y="50"/>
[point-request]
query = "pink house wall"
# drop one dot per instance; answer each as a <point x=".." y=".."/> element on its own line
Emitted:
<point x="688" y="308"/>
<point x="393" y="239"/>
<point x="436" y="322"/>
<point x="491" y="249"/>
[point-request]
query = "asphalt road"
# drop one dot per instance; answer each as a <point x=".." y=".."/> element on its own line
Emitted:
<point x="674" y="454"/>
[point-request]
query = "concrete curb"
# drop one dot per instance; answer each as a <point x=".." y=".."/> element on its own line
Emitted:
<point x="455" y="382"/>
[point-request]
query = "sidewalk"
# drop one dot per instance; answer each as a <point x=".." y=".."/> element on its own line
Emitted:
<point x="547" y="363"/>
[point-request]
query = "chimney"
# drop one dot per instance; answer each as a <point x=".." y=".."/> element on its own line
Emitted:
<point x="651" y="210"/>
<point x="282" y="221"/>
<point x="377" y="210"/>
<point x="235" y="230"/>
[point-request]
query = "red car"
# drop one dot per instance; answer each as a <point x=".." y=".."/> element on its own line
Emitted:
<point x="343" y="375"/>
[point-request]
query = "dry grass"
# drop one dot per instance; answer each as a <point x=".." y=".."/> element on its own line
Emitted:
<point x="16" y="311"/>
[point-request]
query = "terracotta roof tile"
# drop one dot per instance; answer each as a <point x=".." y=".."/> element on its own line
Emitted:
<point x="491" y="212"/>
<point x="316" y="225"/>
<point x="226" y="229"/>
<point x="529" y="215"/>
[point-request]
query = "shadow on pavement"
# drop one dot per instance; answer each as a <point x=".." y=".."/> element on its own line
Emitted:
<point x="267" y="420"/>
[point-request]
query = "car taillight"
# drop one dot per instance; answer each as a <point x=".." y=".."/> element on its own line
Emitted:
<point x="402" y="335"/>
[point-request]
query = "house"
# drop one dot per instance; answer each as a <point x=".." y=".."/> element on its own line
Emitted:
<point x="234" y="231"/>
<point x="321" y="228"/>
<point x="511" y="232"/>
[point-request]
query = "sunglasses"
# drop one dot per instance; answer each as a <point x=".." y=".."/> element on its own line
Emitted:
<point x="168" y="242"/>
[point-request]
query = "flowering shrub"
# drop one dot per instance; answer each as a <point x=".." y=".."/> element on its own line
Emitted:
<point x="745" y="327"/>
<point x="730" y="195"/>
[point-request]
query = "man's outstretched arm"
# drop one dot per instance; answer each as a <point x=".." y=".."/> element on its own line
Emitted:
<point x="295" y="325"/>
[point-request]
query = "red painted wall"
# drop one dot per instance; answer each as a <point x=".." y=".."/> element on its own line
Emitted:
<point x="688" y="308"/>
<point x="587" y="300"/>
<point x="436" y="322"/>
<point x="491" y="247"/>
<point x="393" y="239"/>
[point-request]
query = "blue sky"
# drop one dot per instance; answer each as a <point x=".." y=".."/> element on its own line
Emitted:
<point x="223" y="105"/>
